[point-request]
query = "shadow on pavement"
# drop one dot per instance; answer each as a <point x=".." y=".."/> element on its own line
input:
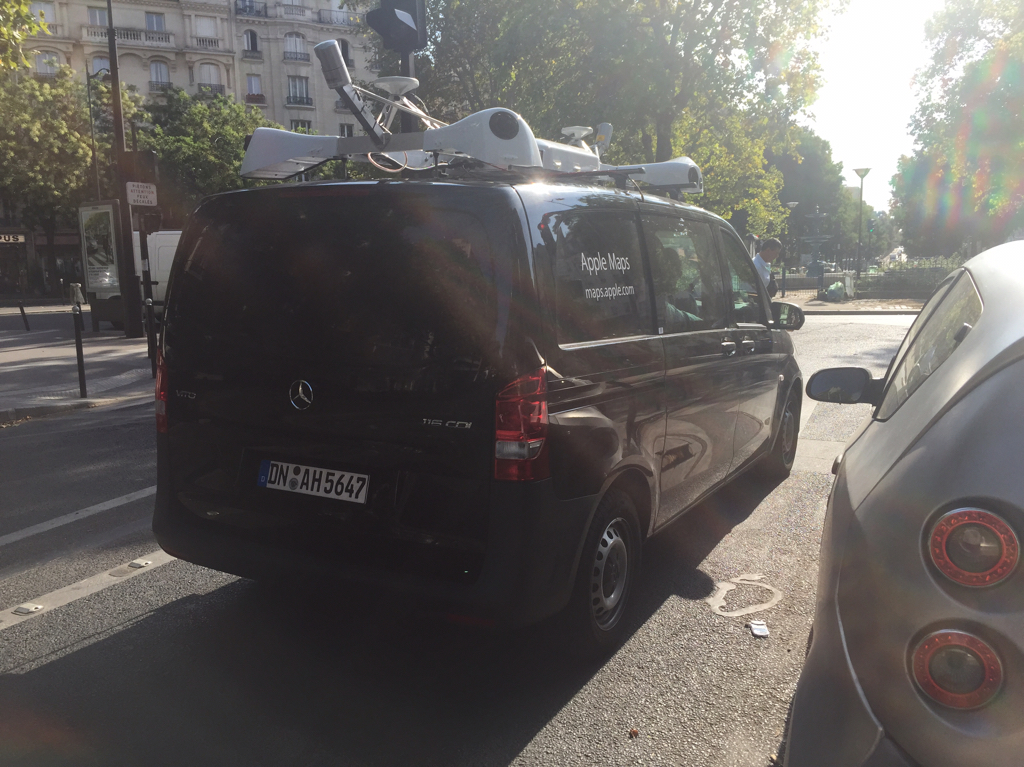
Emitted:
<point x="245" y="676"/>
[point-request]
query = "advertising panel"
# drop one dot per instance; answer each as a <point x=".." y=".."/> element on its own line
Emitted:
<point x="98" y="225"/>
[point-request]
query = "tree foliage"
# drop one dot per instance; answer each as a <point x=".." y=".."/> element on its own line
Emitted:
<point x="45" y="149"/>
<point x="200" y="145"/>
<point x="963" y="188"/>
<point x="17" y="23"/>
<point x="718" y="80"/>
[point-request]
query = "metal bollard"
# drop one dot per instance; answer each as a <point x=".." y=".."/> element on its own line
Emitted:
<point x="783" y="280"/>
<point x="24" y="317"/>
<point x="76" y="314"/>
<point x="151" y="335"/>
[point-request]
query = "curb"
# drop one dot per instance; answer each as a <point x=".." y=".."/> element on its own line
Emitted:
<point x="15" y="414"/>
<point x="855" y="312"/>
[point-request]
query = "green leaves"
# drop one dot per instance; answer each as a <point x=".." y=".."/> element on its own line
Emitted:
<point x="963" y="188"/>
<point x="45" y="148"/>
<point x="16" y="24"/>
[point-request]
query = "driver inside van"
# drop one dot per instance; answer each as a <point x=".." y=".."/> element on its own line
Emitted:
<point x="667" y="270"/>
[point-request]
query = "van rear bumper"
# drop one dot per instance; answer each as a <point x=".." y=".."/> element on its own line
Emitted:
<point x="532" y="550"/>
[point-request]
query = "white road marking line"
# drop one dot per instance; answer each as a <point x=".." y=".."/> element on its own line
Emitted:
<point x="74" y="516"/>
<point x="14" y="616"/>
<point x="806" y="412"/>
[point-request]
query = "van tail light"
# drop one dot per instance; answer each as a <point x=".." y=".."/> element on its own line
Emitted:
<point x="521" y="429"/>
<point x="973" y="547"/>
<point x="957" y="669"/>
<point x="161" y="393"/>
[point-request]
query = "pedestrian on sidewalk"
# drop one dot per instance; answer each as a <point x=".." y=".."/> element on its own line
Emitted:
<point x="770" y="250"/>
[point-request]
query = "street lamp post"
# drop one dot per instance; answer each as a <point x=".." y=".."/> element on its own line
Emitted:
<point x="130" y="296"/>
<point x="862" y="172"/>
<point x="92" y="128"/>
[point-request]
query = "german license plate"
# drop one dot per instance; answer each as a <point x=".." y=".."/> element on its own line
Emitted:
<point x="310" y="480"/>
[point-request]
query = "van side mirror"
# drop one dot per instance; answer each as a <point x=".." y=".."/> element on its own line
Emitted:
<point x="847" y="386"/>
<point x="787" y="316"/>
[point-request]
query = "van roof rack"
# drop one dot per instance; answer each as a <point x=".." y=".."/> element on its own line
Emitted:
<point x="498" y="139"/>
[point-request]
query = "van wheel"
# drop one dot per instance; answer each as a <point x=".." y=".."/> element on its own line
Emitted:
<point x="607" y="576"/>
<point x="779" y="462"/>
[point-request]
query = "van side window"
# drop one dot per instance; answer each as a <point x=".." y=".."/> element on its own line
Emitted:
<point x="688" y="290"/>
<point x="742" y="282"/>
<point x="600" y="281"/>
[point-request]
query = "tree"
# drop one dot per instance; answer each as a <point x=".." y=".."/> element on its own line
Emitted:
<point x="45" y="150"/>
<point x="17" y="22"/>
<point x="963" y="188"/>
<point x="200" y="143"/>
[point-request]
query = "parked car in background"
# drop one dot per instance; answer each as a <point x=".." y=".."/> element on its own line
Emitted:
<point x="482" y="396"/>
<point x="917" y="651"/>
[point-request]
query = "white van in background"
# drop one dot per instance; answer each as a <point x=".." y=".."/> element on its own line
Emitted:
<point x="105" y="299"/>
<point x="161" y="253"/>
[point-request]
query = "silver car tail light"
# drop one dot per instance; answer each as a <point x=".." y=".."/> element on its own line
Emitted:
<point x="973" y="547"/>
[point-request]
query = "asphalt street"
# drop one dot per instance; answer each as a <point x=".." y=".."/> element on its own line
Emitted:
<point x="171" y="664"/>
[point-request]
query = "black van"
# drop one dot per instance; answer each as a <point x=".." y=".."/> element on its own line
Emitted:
<point x="482" y="396"/>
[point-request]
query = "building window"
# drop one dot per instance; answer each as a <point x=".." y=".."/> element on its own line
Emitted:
<point x="43" y="12"/>
<point x="298" y="88"/>
<point x="295" y="47"/>
<point x="100" y="63"/>
<point x="155" y="22"/>
<point x="209" y="74"/>
<point x="252" y="41"/>
<point x="253" y="84"/>
<point x="346" y="130"/>
<point x="158" y="72"/>
<point x="47" y="63"/>
<point x="206" y="26"/>
<point x="349" y="61"/>
<point x="304" y="125"/>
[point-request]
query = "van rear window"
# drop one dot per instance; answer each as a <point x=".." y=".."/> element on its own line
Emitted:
<point x="383" y="293"/>
<point x="600" y="281"/>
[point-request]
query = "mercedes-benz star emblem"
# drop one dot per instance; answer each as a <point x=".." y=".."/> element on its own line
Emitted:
<point x="301" y="395"/>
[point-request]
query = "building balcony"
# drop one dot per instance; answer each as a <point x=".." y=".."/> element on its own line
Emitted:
<point x="206" y="43"/>
<point x="296" y="56"/>
<point x="255" y="98"/>
<point x="339" y="18"/>
<point x="143" y="37"/>
<point x="52" y="30"/>
<point x="254" y="55"/>
<point x="294" y="11"/>
<point x="158" y="86"/>
<point x="299" y="101"/>
<point x="210" y="89"/>
<point x="249" y="8"/>
<point x="45" y="77"/>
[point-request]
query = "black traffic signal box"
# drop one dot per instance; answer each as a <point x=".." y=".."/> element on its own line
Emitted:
<point x="402" y="24"/>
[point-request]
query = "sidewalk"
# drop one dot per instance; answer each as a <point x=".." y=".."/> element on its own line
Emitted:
<point x="808" y="301"/>
<point x="39" y="370"/>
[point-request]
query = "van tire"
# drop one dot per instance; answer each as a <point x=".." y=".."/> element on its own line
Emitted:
<point x="607" y="577"/>
<point x="778" y="463"/>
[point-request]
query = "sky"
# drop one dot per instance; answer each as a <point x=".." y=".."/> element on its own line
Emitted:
<point x="868" y="62"/>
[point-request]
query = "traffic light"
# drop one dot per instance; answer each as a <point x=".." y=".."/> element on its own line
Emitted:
<point x="871" y="224"/>
<point x="141" y="166"/>
<point x="402" y="24"/>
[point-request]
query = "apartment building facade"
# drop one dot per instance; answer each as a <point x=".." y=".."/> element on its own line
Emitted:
<point x="261" y="53"/>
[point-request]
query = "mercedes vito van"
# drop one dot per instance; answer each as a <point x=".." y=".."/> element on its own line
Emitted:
<point x="482" y="396"/>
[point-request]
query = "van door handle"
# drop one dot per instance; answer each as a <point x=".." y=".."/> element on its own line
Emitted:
<point x="748" y="345"/>
<point x="729" y="348"/>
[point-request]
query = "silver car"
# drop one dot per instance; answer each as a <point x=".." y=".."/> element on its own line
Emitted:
<point x="917" y="650"/>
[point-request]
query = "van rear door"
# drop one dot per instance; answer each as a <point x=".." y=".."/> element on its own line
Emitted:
<point x="355" y="329"/>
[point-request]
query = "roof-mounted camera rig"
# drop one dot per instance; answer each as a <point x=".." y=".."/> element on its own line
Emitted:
<point x="489" y="141"/>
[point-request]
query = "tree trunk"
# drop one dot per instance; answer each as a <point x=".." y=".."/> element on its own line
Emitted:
<point x="50" y="260"/>
<point x="648" y="143"/>
<point x="663" y="133"/>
